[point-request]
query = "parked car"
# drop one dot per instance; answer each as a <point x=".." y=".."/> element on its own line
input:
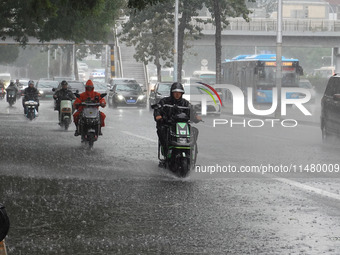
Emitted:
<point x="330" y="108"/>
<point x="127" y="94"/>
<point x="161" y="90"/>
<point x="194" y="94"/>
<point x="45" y="88"/>
<point x="304" y="83"/>
<point x="61" y="78"/>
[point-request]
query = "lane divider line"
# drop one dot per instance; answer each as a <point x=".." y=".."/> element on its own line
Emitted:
<point x="309" y="188"/>
<point x="141" y="137"/>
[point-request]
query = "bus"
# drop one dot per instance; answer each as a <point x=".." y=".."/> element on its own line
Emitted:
<point x="259" y="73"/>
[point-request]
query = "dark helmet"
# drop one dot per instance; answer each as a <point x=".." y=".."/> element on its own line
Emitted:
<point x="64" y="83"/>
<point x="177" y="87"/>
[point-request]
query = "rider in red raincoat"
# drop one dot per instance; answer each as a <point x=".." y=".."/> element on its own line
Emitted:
<point x="89" y="93"/>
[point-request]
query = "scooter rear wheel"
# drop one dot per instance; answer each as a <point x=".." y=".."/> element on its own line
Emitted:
<point x="4" y="222"/>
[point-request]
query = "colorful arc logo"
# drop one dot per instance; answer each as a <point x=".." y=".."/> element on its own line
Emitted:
<point x="209" y="93"/>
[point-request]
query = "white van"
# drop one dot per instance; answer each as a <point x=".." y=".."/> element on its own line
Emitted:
<point x="191" y="81"/>
<point x="207" y="76"/>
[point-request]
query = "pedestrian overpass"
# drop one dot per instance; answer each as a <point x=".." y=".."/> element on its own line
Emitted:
<point x="257" y="32"/>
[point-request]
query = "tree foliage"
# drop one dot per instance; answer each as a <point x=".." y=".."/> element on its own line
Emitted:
<point x="221" y="10"/>
<point x="151" y="32"/>
<point x="142" y="4"/>
<point x="46" y="20"/>
<point x="186" y="29"/>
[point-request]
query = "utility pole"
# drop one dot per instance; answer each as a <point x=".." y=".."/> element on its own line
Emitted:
<point x="176" y="43"/>
<point x="279" y="59"/>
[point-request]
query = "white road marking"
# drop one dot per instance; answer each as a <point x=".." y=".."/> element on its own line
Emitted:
<point x="309" y="188"/>
<point x="141" y="137"/>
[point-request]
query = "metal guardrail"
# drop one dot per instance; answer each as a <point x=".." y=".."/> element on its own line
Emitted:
<point x="269" y="25"/>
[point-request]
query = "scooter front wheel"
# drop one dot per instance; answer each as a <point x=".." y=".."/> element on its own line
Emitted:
<point x="184" y="167"/>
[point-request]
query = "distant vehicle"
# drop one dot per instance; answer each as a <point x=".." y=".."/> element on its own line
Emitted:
<point x="82" y="66"/>
<point x="6" y="77"/>
<point x="208" y="77"/>
<point x="75" y="86"/>
<point x="325" y="71"/>
<point x="100" y="87"/>
<point x="330" y="108"/>
<point x="127" y="94"/>
<point x="98" y="79"/>
<point x="24" y="82"/>
<point x="82" y="75"/>
<point x="258" y="72"/>
<point x="191" y="80"/>
<point x="304" y="83"/>
<point x="194" y="93"/>
<point x="167" y="74"/>
<point x="152" y="82"/>
<point x="99" y="72"/>
<point x="60" y="78"/>
<point x="114" y="81"/>
<point x="161" y="90"/>
<point x="45" y="88"/>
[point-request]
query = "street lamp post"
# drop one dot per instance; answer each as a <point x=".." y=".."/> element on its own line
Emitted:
<point x="176" y="43"/>
<point x="279" y="59"/>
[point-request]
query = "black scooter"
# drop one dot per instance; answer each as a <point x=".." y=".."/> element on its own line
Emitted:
<point x="181" y="151"/>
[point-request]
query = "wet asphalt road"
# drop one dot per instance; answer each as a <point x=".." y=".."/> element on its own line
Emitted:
<point x="65" y="199"/>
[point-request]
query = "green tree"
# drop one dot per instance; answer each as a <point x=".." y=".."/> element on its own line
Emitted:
<point x="221" y="10"/>
<point x="46" y="20"/>
<point x="186" y="29"/>
<point x="142" y="4"/>
<point x="151" y="32"/>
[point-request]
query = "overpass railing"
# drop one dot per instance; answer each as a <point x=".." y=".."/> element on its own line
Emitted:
<point x="269" y="25"/>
